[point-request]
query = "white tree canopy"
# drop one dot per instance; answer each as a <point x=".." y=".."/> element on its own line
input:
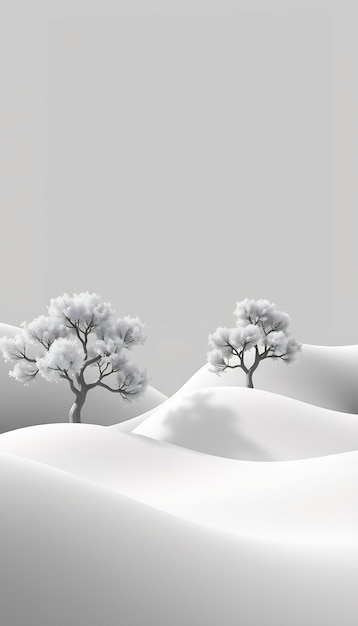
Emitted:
<point x="79" y="331"/>
<point x="261" y="326"/>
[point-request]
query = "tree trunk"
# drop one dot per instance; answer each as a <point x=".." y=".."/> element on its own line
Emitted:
<point x="249" y="382"/>
<point x="74" y="415"/>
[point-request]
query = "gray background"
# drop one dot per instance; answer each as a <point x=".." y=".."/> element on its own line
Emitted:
<point x="176" y="157"/>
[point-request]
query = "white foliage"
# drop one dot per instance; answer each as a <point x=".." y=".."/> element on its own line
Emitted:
<point x="250" y="311"/>
<point x="84" y="308"/>
<point x="117" y="360"/>
<point x="107" y="346"/>
<point x="132" y="381"/>
<point x="260" y="325"/>
<point x="216" y="360"/>
<point x="292" y="348"/>
<point x="282" y="345"/>
<point x="261" y="312"/>
<point x="13" y="348"/>
<point x="24" y="372"/>
<point x="130" y="330"/>
<point x="79" y="331"/>
<point x="277" y="320"/>
<point x="45" y="329"/>
<point x="65" y="355"/>
<point x="228" y="342"/>
<point x="246" y="337"/>
<point x="220" y="340"/>
<point x="277" y="342"/>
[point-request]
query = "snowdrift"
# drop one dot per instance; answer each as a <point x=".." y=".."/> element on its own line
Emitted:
<point x="250" y="424"/>
<point x="101" y="527"/>
<point x="308" y="500"/>
<point x="88" y="555"/>
<point x="321" y="375"/>
<point x="220" y="505"/>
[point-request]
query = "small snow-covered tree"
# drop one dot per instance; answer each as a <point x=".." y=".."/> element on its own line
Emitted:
<point x="80" y="334"/>
<point x="260" y="327"/>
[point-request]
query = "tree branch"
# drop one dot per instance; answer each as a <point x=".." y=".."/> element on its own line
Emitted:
<point x="29" y="360"/>
<point x="76" y="325"/>
<point x="102" y="374"/>
<point x="46" y="346"/>
<point x="91" y="361"/>
<point x="22" y="355"/>
<point x="274" y="356"/>
<point x="119" y="390"/>
<point x="67" y="377"/>
<point x="31" y="376"/>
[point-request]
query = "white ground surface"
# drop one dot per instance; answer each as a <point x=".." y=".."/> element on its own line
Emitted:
<point x="250" y="424"/>
<point x="322" y="375"/>
<point x="106" y="526"/>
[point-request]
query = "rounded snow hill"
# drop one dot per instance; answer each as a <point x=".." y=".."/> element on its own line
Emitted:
<point x="306" y="500"/>
<point x="129" y="529"/>
<point x="325" y="376"/>
<point x="42" y="402"/>
<point x="250" y="424"/>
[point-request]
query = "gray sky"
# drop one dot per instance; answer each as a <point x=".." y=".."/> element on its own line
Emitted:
<point x="176" y="158"/>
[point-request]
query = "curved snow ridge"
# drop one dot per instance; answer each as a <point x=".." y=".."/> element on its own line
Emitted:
<point x="306" y="500"/>
<point x="321" y="375"/>
<point x="250" y="424"/>
<point x="294" y="537"/>
<point x="8" y="330"/>
<point x="65" y="537"/>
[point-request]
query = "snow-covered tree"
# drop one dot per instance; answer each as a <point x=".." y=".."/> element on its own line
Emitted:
<point x="79" y="335"/>
<point x="260" y="327"/>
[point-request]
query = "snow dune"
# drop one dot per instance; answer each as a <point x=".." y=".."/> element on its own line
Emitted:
<point x="250" y="424"/>
<point x="309" y="500"/>
<point x="220" y="505"/>
<point x="325" y="376"/>
<point x="43" y="402"/>
<point x="74" y="553"/>
<point x="101" y="527"/>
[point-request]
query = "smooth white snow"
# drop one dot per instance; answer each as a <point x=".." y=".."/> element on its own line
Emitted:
<point x="250" y="424"/>
<point x="119" y="526"/>
<point x="321" y="375"/>
<point x="74" y="553"/>
<point x="101" y="527"/>
<point x="310" y="500"/>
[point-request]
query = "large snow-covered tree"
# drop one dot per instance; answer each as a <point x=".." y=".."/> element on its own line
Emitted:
<point x="260" y="327"/>
<point x="79" y="335"/>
